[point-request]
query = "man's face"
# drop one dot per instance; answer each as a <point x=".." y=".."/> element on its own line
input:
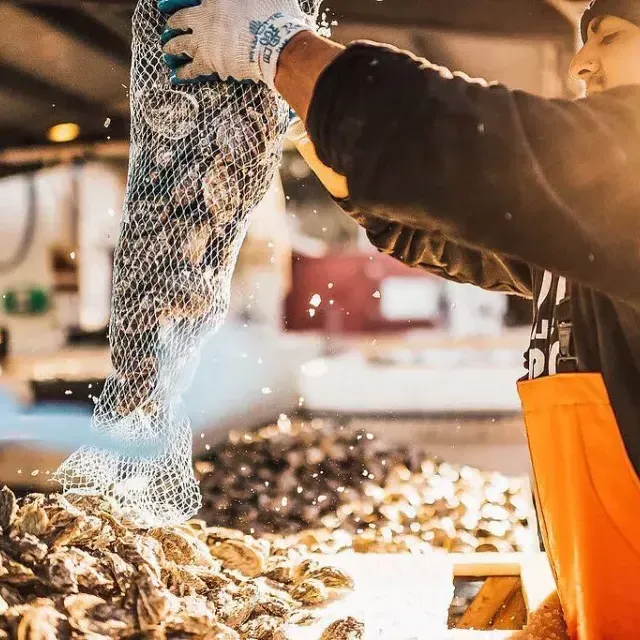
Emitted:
<point x="611" y="56"/>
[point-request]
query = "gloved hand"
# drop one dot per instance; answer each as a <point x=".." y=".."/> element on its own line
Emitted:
<point x="240" y="39"/>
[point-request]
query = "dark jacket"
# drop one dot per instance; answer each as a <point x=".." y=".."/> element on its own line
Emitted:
<point x="501" y="189"/>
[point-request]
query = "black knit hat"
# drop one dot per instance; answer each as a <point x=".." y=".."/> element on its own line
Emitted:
<point x="626" y="9"/>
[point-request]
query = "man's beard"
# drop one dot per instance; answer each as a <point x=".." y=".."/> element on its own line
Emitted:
<point x="596" y="84"/>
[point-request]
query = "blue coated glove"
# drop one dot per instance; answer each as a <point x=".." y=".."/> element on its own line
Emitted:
<point x="239" y="39"/>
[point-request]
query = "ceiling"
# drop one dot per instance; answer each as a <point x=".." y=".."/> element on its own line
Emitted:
<point x="68" y="60"/>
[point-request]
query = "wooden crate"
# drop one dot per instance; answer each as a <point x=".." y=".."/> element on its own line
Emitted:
<point x="506" y="575"/>
<point x="407" y="597"/>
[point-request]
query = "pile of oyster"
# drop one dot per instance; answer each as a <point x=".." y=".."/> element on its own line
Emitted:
<point x="72" y="567"/>
<point x="333" y="488"/>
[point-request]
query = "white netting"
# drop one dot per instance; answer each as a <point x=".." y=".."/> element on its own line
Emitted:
<point x="201" y="159"/>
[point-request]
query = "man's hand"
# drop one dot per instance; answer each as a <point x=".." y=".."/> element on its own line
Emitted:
<point x="239" y="39"/>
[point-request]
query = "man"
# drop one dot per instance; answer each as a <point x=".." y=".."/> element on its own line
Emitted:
<point x="511" y="192"/>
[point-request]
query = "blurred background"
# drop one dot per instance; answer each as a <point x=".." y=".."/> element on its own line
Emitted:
<point x="333" y="359"/>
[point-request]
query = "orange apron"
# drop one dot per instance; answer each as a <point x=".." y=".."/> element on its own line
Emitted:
<point x="588" y="497"/>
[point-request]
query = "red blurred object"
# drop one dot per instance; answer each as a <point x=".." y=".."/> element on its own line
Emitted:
<point x="356" y="308"/>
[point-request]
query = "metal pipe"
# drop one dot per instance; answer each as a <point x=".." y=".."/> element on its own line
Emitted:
<point x="113" y="150"/>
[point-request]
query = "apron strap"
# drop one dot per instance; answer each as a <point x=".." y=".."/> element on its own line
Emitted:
<point x="567" y="361"/>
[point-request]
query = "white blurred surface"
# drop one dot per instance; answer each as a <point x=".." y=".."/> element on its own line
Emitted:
<point x="398" y="597"/>
<point x="247" y="376"/>
<point x="348" y="383"/>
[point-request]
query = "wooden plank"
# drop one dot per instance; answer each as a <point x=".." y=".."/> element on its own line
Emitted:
<point x="537" y="578"/>
<point x="538" y="589"/>
<point x="538" y="582"/>
<point x="494" y="594"/>
<point x="486" y="564"/>
<point x="513" y="614"/>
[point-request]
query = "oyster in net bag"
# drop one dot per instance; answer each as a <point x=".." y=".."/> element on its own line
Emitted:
<point x="202" y="157"/>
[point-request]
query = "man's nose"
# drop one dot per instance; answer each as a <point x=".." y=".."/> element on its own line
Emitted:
<point x="584" y="64"/>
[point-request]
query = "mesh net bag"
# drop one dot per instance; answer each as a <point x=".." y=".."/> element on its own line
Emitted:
<point x="202" y="157"/>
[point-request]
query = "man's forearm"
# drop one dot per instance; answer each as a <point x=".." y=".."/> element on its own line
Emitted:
<point x="497" y="170"/>
<point x="301" y="64"/>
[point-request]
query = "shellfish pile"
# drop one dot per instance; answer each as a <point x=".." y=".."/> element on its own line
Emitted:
<point x="73" y="567"/>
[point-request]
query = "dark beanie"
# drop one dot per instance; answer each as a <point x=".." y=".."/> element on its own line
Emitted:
<point x="626" y="9"/>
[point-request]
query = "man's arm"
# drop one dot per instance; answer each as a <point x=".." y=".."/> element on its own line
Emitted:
<point x="428" y="250"/>
<point x="550" y="183"/>
<point x="431" y="251"/>
<point x="300" y="65"/>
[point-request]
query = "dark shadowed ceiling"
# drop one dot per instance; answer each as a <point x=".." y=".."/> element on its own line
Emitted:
<point x="68" y="60"/>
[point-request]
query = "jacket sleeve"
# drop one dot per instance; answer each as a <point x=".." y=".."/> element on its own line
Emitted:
<point x="550" y="183"/>
<point x="432" y="252"/>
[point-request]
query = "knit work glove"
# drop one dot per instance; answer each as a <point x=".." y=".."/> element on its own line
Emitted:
<point x="239" y="39"/>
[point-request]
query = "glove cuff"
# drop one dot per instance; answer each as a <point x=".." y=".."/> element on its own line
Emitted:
<point x="296" y="130"/>
<point x="269" y="39"/>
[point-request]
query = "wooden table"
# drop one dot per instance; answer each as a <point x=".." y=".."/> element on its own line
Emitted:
<point x="70" y="363"/>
